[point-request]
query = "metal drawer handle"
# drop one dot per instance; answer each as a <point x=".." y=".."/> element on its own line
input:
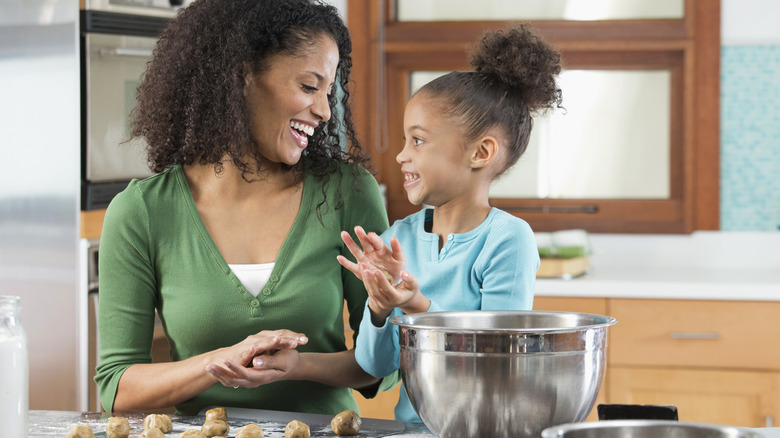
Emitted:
<point x="691" y="335"/>
<point x="119" y="51"/>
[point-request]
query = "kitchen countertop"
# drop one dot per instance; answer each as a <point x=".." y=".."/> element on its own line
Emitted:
<point x="57" y="423"/>
<point x="704" y="265"/>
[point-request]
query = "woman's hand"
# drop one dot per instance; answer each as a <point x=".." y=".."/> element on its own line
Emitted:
<point x="241" y="364"/>
<point x="391" y="261"/>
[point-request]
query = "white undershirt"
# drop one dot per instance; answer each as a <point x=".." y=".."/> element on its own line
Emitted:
<point x="254" y="277"/>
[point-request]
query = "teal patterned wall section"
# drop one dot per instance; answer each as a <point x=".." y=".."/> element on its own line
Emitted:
<point x="750" y="138"/>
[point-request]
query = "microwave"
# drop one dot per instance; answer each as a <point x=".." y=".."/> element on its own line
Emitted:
<point x="117" y="38"/>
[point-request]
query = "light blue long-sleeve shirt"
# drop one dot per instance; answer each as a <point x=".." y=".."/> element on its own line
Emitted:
<point x="492" y="267"/>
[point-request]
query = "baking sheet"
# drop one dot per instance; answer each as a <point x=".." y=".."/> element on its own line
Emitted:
<point x="57" y="424"/>
<point x="274" y="422"/>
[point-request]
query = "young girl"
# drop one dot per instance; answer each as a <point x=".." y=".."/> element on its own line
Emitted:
<point x="462" y="131"/>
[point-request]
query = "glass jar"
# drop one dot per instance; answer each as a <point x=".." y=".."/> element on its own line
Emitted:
<point x="14" y="382"/>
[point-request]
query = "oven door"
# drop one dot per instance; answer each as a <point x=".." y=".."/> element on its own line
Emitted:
<point x="114" y="65"/>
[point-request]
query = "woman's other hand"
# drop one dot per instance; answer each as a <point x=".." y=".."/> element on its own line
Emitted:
<point x="233" y="366"/>
<point x="391" y="261"/>
<point x="265" y="368"/>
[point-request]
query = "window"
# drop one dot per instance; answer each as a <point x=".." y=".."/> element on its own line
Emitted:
<point x="666" y="165"/>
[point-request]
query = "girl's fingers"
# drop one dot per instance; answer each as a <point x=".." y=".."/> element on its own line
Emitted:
<point x="398" y="252"/>
<point x="368" y="246"/>
<point x="351" y="267"/>
<point x="409" y="281"/>
<point x="352" y="246"/>
<point x="372" y="284"/>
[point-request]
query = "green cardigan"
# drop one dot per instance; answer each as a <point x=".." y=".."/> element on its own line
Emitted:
<point x="155" y="253"/>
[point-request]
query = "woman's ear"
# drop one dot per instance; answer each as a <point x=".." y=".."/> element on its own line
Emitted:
<point x="247" y="78"/>
<point x="485" y="152"/>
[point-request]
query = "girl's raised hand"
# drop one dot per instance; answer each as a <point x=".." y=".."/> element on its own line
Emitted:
<point x="383" y="297"/>
<point x="391" y="261"/>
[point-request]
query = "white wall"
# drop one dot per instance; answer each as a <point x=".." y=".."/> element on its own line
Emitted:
<point x="750" y="22"/>
<point x="341" y="5"/>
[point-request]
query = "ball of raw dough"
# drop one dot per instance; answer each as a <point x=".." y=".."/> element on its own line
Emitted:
<point x="118" y="427"/>
<point x="346" y="423"/>
<point x="296" y="429"/>
<point x="152" y="433"/>
<point x="80" y="431"/>
<point x="215" y="428"/>
<point x="250" y="431"/>
<point x="216" y="414"/>
<point x="159" y="421"/>
<point x="193" y="433"/>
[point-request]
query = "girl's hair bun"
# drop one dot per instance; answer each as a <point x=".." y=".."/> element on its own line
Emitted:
<point x="523" y="63"/>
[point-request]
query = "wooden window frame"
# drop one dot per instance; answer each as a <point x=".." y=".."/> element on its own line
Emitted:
<point x="689" y="48"/>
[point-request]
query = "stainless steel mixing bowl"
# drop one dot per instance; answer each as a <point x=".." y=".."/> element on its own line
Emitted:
<point x="502" y="373"/>
<point x="646" y="429"/>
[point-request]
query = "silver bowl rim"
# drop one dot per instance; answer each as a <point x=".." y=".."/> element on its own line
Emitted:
<point x="559" y="430"/>
<point x="404" y="322"/>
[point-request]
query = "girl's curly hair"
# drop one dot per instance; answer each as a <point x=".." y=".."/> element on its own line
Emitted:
<point x="191" y="105"/>
<point x="513" y="78"/>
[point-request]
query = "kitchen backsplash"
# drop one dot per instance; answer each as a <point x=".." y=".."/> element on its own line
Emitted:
<point x="750" y="138"/>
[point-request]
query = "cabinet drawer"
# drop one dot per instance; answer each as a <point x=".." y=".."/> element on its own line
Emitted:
<point x="695" y="333"/>
<point x="737" y="398"/>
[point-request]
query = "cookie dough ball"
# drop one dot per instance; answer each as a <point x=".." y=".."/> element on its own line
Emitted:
<point x="216" y="414"/>
<point x="215" y="428"/>
<point x="193" y="433"/>
<point x="118" y="427"/>
<point x="346" y="423"/>
<point x="250" y="431"/>
<point x="152" y="433"/>
<point x="296" y="429"/>
<point x="158" y="421"/>
<point x="80" y="431"/>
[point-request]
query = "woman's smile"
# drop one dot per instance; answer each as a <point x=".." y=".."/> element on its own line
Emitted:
<point x="301" y="131"/>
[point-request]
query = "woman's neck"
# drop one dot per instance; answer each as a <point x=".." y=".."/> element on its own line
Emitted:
<point x="230" y="184"/>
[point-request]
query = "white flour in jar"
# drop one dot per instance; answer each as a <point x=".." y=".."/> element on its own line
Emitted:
<point x="13" y="385"/>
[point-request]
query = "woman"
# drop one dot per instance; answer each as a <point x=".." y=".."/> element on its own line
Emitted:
<point x="233" y="242"/>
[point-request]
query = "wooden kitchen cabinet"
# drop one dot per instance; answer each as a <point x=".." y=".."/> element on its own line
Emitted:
<point x="580" y="305"/>
<point x="736" y="398"/>
<point x="714" y="360"/>
<point x="566" y="304"/>
<point x="383" y="405"/>
<point x="695" y="333"/>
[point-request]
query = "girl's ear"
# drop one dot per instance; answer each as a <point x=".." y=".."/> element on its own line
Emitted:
<point x="485" y="152"/>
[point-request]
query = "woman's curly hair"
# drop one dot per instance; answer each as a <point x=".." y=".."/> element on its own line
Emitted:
<point x="514" y="78"/>
<point x="191" y="105"/>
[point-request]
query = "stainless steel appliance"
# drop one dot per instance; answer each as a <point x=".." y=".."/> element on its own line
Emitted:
<point x="39" y="191"/>
<point x="89" y="399"/>
<point x="117" y="38"/>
